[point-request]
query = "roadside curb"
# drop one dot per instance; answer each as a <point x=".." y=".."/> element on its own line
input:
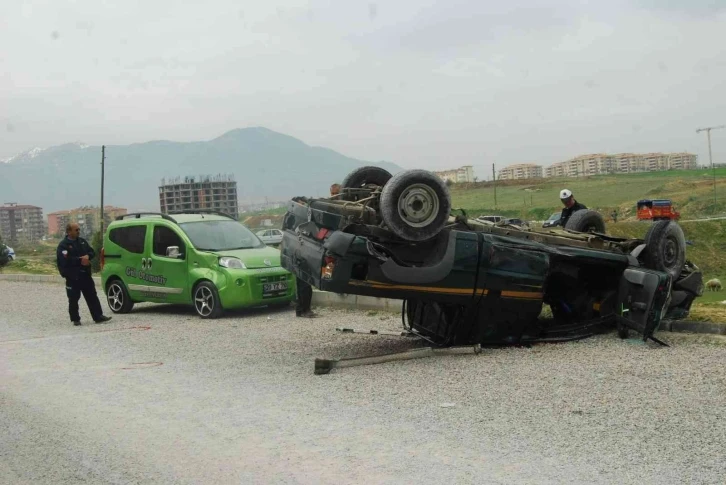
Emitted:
<point x="37" y="278"/>
<point x="358" y="302"/>
<point x="320" y="298"/>
<point x="687" y="326"/>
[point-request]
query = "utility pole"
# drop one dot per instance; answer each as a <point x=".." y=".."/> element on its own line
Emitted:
<point x="710" y="157"/>
<point x="103" y="159"/>
<point x="494" y="179"/>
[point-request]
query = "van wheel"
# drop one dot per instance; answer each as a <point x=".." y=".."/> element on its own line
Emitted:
<point x="206" y="300"/>
<point x="117" y="297"/>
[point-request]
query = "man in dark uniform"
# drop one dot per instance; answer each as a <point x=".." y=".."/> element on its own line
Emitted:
<point x="73" y="258"/>
<point x="304" y="299"/>
<point x="571" y="205"/>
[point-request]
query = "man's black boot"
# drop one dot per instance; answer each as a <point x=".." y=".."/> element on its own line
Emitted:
<point x="102" y="319"/>
<point x="76" y="322"/>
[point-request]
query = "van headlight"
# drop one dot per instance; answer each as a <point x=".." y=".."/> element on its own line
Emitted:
<point x="231" y="263"/>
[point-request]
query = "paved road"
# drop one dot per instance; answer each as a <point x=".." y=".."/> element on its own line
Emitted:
<point x="160" y="396"/>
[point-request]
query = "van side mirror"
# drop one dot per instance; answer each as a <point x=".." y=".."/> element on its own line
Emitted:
<point x="173" y="252"/>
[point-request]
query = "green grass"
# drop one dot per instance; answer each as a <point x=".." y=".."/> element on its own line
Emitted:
<point x="690" y="190"/>
<point x="31" y="265"/>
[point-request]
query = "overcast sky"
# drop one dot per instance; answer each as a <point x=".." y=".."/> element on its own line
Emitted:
<point x="421" y="83"/>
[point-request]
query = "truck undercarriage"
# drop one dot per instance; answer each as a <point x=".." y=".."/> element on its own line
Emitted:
<point x="474" y="282"/>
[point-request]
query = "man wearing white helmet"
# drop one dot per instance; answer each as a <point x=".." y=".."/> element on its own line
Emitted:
<point x="571" y="205"/>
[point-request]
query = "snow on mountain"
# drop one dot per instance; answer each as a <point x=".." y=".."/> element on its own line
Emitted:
<point x="32" y="153"/>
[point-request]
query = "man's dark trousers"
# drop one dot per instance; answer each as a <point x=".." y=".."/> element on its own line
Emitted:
<point x="304" y="297"/>
<point x="86" y="286"/>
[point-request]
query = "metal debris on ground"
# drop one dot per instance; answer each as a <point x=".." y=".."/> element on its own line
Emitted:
<point x="324" y="366"/>
<point x="376" y="332"/>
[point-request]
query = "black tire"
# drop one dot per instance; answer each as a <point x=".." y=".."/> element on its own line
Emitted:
<point x="366" y="175"/>
<point x="206" y="300"/>
<point x="415" y="205"/>
<point x="586" y="220"/>
<point x="117" y="297"/>
<point x="665" y="248"/>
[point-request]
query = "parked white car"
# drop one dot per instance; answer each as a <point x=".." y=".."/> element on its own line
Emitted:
<point x="11" y="253"/>
<point x="271" y="237"/>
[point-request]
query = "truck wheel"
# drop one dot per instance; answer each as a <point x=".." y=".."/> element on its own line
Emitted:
<point x="206" y="300"/>
<point x="415" y="205"/>
<point x="366" y="175"/>
<point x="665" y="248"/>
<point x="117" y="297"/>
<point x="586" y="220"/>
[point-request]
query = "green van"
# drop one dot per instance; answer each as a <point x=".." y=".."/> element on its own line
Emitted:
<point x="205" y="259"/>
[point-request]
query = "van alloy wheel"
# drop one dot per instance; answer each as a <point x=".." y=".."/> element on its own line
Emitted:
<point x="115" y="297"/>
<point x="204" y="301"/>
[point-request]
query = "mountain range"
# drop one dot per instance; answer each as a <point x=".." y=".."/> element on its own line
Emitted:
<point x="265" y="164"/>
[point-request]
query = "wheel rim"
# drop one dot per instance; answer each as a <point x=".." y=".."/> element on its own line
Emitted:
<point x="418" y="205"/>
<point x="115" y="297"/>
<point x="670" y="252"/>
<point x="204" y="301"/>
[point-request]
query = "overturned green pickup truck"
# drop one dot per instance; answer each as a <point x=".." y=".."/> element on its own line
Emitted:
<point x="463" y="281"/>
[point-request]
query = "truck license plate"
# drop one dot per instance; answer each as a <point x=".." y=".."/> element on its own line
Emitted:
<point x="274" y="287"/>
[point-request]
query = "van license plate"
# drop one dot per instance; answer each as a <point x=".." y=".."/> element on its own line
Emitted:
<point x="274" y="287"/>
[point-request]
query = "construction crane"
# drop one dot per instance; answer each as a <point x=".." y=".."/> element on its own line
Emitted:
<point x="710" y="157"/>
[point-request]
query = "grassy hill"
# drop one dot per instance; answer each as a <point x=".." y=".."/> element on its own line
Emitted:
<point x="690" y="190"/>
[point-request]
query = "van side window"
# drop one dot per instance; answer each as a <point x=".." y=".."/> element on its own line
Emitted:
<point x="165" y="237"/>
<point x="131" y="238"/>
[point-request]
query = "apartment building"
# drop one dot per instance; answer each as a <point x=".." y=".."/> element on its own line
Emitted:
<point x="218" y="193"/>
<point x="21" y="223"/>
<point x="594" y="164"/>
<point x="682" y="161"/>
<point x="630" y="163"/>
<point x="87" y="217"/>
<point x="521" y="171"/>
<point x="458" y="175"/>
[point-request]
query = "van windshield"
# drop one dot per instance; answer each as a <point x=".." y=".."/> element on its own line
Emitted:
<point x="220" y="235"/>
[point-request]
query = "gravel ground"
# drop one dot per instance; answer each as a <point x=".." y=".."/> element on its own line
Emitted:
<point x="235" y="400"/>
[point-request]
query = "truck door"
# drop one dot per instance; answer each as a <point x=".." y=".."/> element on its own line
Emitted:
<point x="642" y="300"/>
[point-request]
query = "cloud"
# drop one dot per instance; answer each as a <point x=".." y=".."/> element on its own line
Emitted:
<point x="686" y="8"/>
<point x="427" y="83"/>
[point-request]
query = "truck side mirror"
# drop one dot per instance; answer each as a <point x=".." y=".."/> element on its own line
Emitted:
<point x="173" y="252"/>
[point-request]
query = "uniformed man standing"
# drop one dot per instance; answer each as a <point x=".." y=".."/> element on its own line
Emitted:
<point x="304" y="300"/>
<point x="571" y="205"/>
<point x="73" y="258"/>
